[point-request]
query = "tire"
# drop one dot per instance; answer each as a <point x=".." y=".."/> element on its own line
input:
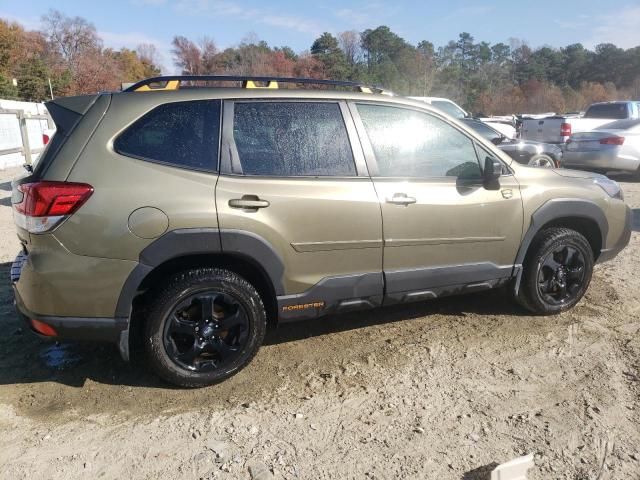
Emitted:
<point x="203" y="326"/>
<point x="541" y="288"/>
<point x="543" y="161"/>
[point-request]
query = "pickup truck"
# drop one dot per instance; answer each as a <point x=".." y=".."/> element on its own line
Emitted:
<point x="558" y="128"/>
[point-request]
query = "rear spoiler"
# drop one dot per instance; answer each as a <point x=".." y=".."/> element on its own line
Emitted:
<point x="67" y="111"/>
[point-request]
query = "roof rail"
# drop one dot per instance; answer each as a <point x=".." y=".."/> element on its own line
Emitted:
<point x="173" y="82"/>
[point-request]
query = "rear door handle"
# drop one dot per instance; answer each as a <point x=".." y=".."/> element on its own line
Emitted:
<point x="248" y="202"/>
<point x="401" y="199"/>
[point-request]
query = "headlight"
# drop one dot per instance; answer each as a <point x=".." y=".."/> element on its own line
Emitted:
<point x="612" y="188"/>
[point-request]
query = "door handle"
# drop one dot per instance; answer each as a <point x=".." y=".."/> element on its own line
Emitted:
<point x="248" y="202"/>
<point x="401" y="199"/>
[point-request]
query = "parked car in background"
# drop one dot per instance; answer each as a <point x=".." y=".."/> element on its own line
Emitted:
<point x="522" y="151"/>
<point x="613" y="146"/>
<point x="502" y="124"/>
<point x="558" y="128"/>
<point x="506" y="125"/>
<point x="447" y="106"/>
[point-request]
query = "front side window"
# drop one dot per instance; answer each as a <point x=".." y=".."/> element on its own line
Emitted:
<point x="181" y="134"/>
<point x="408" y="143"/>
<point x="288" y="139"/>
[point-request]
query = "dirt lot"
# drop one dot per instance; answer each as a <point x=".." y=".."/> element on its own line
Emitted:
<point x="437" y="390"/>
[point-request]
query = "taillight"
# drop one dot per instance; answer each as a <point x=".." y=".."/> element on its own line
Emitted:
<point x="565" y="130"/>
<point x="612" y="141"/>
<point x="45" y="205"/>
<point x="45" y="138"/>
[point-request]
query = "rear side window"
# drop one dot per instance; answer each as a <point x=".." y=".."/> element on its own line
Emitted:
<point x="408" y="143"/>
<point x="607" y="110"/>
<point x="182" y="134"/>
<point x="449" y="108"/>
<point x="288" y="139"/>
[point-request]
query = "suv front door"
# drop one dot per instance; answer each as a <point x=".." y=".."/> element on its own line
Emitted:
<point x="290" y="179"/>
<point x="443" y="229"/>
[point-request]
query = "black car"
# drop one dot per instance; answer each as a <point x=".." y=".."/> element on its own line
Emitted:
<point x="522" y="151"/>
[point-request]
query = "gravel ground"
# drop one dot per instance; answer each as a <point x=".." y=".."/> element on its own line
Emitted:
<point x="444" y="389"/>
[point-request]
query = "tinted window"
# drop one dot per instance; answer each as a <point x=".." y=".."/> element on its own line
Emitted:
<point x="483" y="129"/>
<point x="448" y="108"/>
<point x="407" y="143"/>
<point x="291" y="139"/>
<point x="184" y="134"/>
<point x="607" y="110"/>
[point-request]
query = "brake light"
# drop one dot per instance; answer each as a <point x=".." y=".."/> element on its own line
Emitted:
<point x="45" y="138"/>
<point x="565" y="130"/>
<point x="45" y="205"/>
<point x="612" y="141"/>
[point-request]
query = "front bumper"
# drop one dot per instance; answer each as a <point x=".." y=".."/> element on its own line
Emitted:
<point x="609" y="253"/>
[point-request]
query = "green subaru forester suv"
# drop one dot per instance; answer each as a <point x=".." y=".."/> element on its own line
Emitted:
<point x="192" y="211"/>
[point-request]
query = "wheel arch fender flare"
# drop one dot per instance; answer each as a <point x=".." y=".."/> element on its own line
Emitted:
<point x="558" y="209"/>
<point x="193" y="241"/>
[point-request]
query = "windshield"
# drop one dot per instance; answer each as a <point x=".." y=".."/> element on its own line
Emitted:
<point x="607" y="110"/>
<point x="449" y="107"/>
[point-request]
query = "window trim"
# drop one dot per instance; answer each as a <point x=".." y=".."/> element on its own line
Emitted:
<point x="372" y="162"/>
<point x="229" y="154"/>
<point x="216" y="160"/>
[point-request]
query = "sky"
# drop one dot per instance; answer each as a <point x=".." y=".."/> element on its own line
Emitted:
<point x="127" y="23"/>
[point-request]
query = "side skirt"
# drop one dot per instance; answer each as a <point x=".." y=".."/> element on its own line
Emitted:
<point x="366" y="290"/>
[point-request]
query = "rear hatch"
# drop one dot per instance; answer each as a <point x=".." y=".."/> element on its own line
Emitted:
<point x="76" y="118"/>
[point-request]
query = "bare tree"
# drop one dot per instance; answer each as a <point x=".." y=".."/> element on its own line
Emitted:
<point x="71" y="37"/>
<point x="208" y="52"/>
<point x="186" y="55"/>
<point x="149" y="53"/>
<point x="350" y="44"/>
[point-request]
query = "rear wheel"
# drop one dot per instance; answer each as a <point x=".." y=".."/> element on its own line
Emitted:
<point x="557" y="271"/>
<point x="204" y="326"/>
<point x="542" y="160"/>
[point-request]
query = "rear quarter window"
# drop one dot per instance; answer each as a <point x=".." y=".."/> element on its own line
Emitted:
<point x="181" y="134"/>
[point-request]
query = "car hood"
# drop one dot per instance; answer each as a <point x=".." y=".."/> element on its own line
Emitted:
<point x="565" y="172"/>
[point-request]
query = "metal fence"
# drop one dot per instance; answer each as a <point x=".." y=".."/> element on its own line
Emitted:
<point x="21" y="132"/>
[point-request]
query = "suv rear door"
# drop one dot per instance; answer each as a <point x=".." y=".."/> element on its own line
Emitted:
<point x="290" y="176"/>
<point x="442" y="228"/>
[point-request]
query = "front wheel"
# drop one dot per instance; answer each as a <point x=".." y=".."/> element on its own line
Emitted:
<point x="542" y="160"/>
<point x="204" y="326"/>
<point x="557" y="271"/>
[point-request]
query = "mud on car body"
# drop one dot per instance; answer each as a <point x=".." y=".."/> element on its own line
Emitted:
<point x="191" y="214"/>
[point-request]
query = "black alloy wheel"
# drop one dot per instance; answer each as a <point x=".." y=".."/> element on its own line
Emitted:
<point x="561" y="275"/>
<point x="203" y="326"/>
<point x="556" y="272"/>
<point x="206" y="330"/>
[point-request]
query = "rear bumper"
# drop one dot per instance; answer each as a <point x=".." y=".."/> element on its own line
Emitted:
<point x="600" y="160"/>
<point x="94" y="329"/>
<point x="609" y="253"/>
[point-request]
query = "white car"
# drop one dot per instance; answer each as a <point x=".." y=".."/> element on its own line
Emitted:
<point x="456" y="111"/>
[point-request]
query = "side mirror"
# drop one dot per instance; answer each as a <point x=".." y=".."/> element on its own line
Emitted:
<point x="492" y="169"/>
<point x="497" y="140"/>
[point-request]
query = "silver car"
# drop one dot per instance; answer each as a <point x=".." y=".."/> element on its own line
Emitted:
<point x="613" y="146"/>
